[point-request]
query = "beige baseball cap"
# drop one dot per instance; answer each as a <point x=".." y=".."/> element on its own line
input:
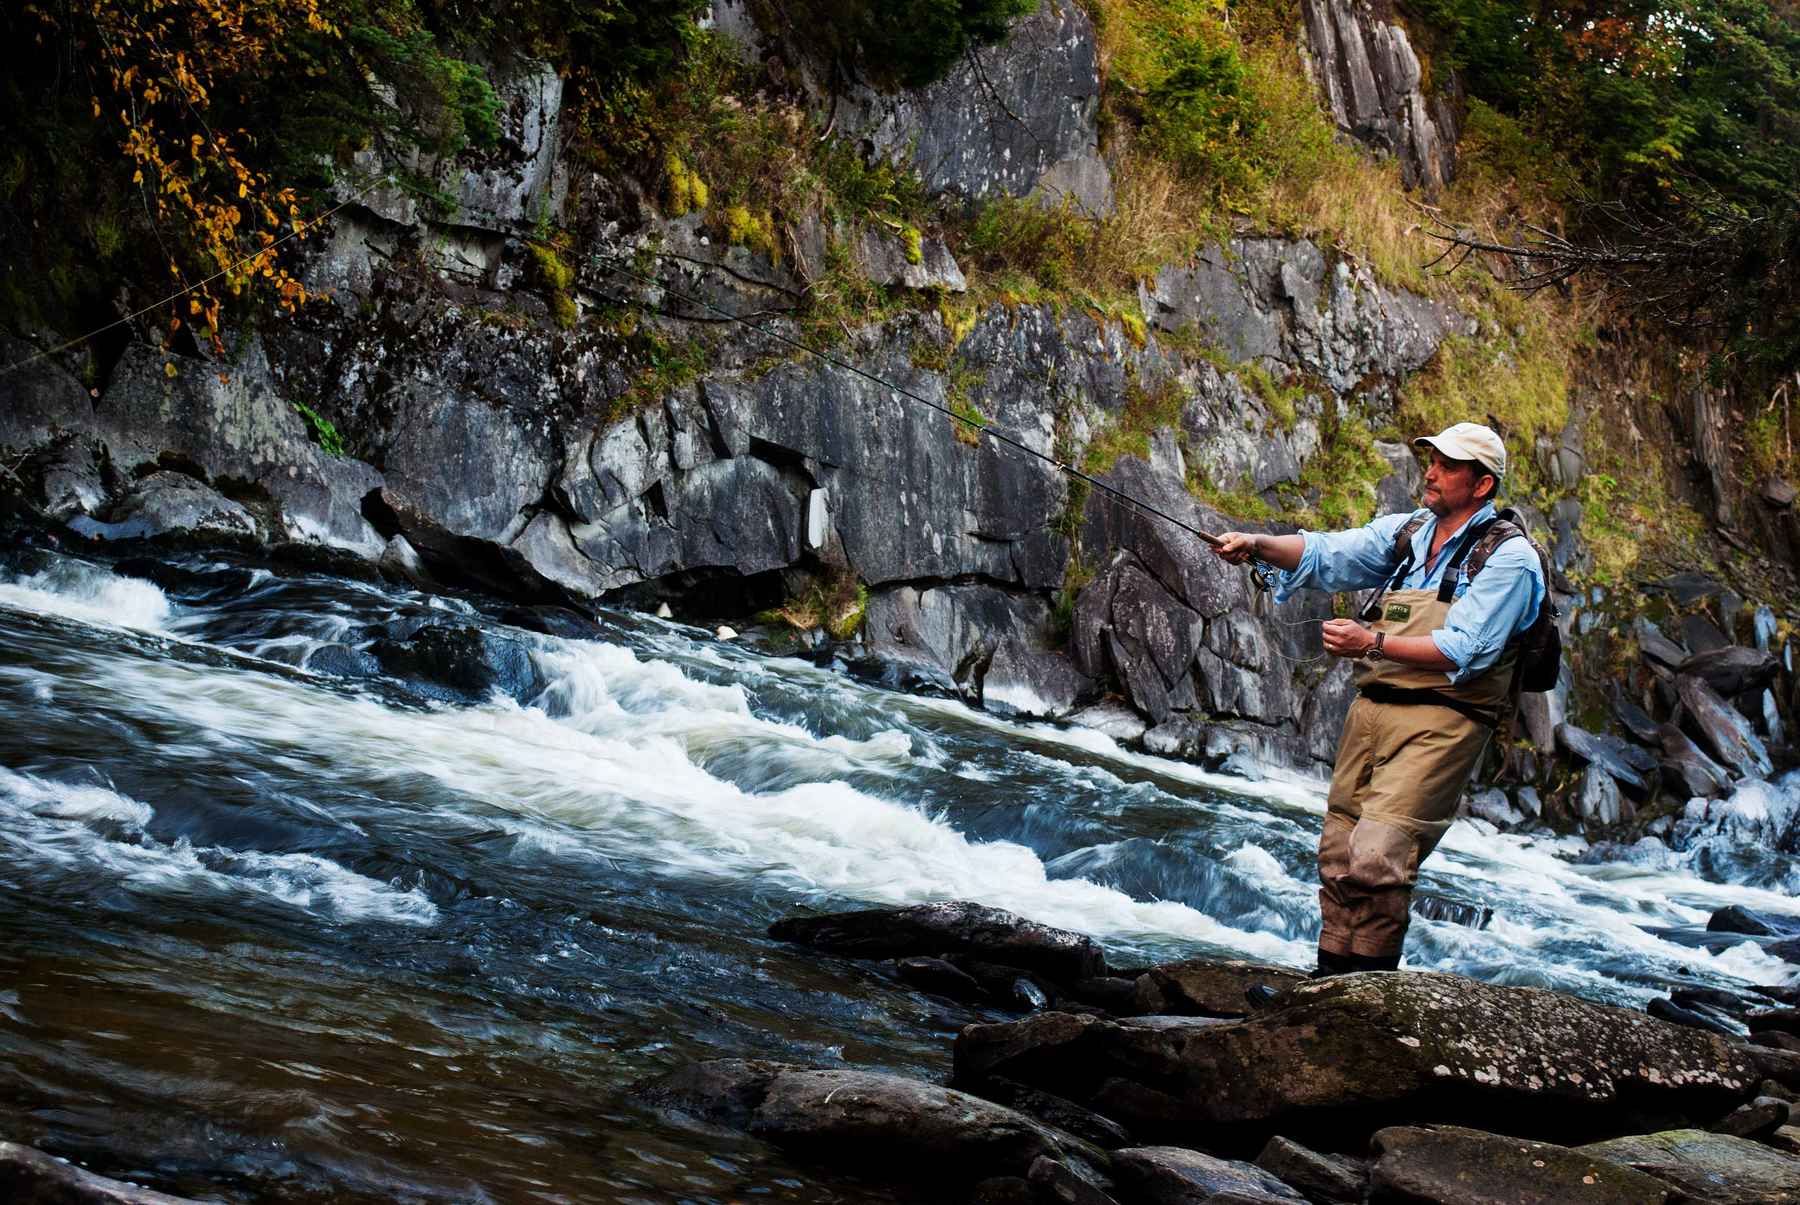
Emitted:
<point x="1469" y="441"/>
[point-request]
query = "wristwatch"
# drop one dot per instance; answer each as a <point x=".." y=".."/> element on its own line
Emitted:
<point x="1373" y="652"/>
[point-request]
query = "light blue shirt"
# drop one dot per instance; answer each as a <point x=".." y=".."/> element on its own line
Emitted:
<point x="1499" y="604"/>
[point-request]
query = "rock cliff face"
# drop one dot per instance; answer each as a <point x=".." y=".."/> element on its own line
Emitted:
<point x="1376" y="89"/>
<point x="485" y="445"/>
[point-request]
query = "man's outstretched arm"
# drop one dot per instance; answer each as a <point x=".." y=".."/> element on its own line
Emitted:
<point x="1283" y="552"/>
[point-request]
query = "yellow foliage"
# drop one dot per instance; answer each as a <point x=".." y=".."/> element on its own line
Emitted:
<point x="687" y="192"/>
<point x="756" y="231"/>
<point x="162" y="60"/>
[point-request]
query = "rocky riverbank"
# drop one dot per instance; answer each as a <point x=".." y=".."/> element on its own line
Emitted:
<point x="1157" y="1086"/>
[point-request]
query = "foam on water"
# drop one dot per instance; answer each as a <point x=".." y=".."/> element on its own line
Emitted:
<point x="99" y="833"/>
<point x="616" y="771"/>
<point x="90" y="594"/>
<point x="633" y="760"/>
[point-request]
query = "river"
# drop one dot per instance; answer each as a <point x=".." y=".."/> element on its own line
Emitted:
<point x="267" y="934"/>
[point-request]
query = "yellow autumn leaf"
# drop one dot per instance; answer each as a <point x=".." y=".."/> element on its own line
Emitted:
<point x="169" y="369"/>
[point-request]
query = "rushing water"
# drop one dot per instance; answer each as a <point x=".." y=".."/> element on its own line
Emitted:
<point x="268" y="934"/>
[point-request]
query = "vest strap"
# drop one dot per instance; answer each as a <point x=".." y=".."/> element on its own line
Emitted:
<point x="1379" y="692"/>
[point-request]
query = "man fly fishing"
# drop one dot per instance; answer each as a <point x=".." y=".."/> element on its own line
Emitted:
<point x="1436" y="673"/>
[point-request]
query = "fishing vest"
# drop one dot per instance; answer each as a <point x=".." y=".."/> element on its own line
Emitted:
<point x="1488" y="697"/>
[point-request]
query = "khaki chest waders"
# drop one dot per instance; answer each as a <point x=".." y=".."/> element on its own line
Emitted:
<point x="1411" y="741"/>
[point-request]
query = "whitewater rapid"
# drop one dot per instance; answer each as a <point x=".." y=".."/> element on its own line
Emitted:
<point x="695" y="761"/>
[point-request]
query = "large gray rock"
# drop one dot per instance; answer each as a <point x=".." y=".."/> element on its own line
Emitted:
<point x="1371" y="79"/>
<point x="1623" y="762"/>
<point x="170" y="504"/>
<point x="1400" y="489"/>
<point x="1446" y="1165"/>
<point x="1708" y="1167"/>
<point x="884" y="259"/>
<point x="992" y="643"/>
<point x="1173" y="1175"/>
<point x="1007" y="120"/>
<point x="30" y="1177"/>
<point x="233" y="422"/>
<point x="1344" y="1057"/>
<point x="43" y="399"/>
<point x="1732" y="670"/>
<point x="888" y="1125"/>
<point x="1701" y="776"/>
<point x="1598" y="802"/>
<point x="499" y="189"/>
<point x="1727" y="733"/>
<point x="1278" y="301"/>
<point x="957" y="927"/>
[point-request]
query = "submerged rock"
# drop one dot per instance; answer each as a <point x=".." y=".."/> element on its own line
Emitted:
<point x="1343" y="1057"/>
<point x="461" y="664"/>
<point x="1447" y="1165"/>
<point x="1708" y="1167"/>
<point x="956" y="927"/>
<point x="30" y="1177"/>
<point x="1173" y="1175"/>
<point x="917" y="1130"/>
<point x="1735" y="918"/>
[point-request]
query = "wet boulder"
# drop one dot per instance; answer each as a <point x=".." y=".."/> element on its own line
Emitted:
<point x="1057" y="1113"/>
<point x="30" y="1177"/>
<point x="1173" y="1175"/>
<point x="1688" y="764"/>
<point x="1707" y="1167"/>
<point x="1624" y="763"/>
<point x="1732" y="670"/>
<point x="1205" y="988"/>
<point x="167" y="503"/>
<point x="886" y="1123"/>
<point x="1735" y="918"/>
<point x="1599" y="803"/>
<point x="1780" y="1020"/>
<point x="1729" y="735"/>
<point x="1757" y="813"/>
<point x="1758" y="1119"/>
<point x="462" y="664"/>
<point x="1056" y="1183"/>
<point x="955" y="927"/>
<point x="1343" y="1057"/>
<point x="1327" y="1179"/>
<point x="940" y="977"/>
<point x="1448" y="1165"/>
<point x="1493" y="806"/>
<point x="342" y="661"/>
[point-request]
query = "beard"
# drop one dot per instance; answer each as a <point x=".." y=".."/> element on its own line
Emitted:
<point x="1434" y="502"/>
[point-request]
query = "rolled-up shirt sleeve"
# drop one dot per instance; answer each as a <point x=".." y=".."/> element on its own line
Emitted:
<point x="1501" y="601"/>
<point x="1343" y="560"/>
